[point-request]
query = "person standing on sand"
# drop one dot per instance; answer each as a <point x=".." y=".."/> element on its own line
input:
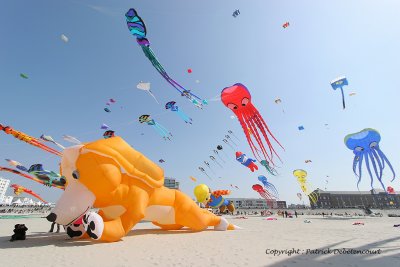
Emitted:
<point x="285" y="214"/>
<point x="295" y="213"/>
<point x="323" y="215"/>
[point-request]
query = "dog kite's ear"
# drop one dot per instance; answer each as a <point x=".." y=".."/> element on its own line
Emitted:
<point x="134" y="163"/>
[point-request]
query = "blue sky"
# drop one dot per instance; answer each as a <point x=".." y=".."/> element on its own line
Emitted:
<point x="69" y="83"/>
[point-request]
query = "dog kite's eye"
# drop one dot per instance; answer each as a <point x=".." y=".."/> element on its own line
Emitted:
<point x="75" y="174"/>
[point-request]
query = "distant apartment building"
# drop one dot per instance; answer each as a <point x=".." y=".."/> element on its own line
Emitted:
<point x="7" y="200"/>
<point x="375" y="198"/>
<point x="257" y="203"/>
<point x="297" y="206"/>
<point x="171" y="183"/>
<point x="4" y="183"/>
<point x="281" y="204"/>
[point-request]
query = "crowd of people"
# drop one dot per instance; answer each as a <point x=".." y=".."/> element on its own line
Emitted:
<point x="7" y="210"/>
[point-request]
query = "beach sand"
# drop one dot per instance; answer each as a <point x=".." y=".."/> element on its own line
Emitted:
<point x="148" y="246"/>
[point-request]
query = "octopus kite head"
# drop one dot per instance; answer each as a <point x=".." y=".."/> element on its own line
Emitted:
<point x="262" y="179"/>
<point x="362" y="141"/>
<point x="258" y="188"/>
<point x="300" y="175"/>
<point x="236" y="97"/>
<point x="365" y="145"/>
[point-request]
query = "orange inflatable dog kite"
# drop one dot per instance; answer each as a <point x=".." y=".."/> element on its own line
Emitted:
<point x="126" y="187"/>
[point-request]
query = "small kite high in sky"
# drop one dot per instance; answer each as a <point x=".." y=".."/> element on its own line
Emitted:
<point x="161" y="130"/>
<point x="64" y="38"/>
<point x="338" y="83"/>
<point x="171" y="105"/>
<point x="138" y="29"/>
<point x="267" y="166"/>
<point x="245" y="161"/>
<point x="71" y="139"/>
<point x="50" y="139"/>
<point x="301" y="176"/>
<point x="104" y="126"/>
<point x="146" y="87"/>
<point x="108" y="134"/>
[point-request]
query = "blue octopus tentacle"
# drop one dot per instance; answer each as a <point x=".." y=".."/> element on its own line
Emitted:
<point x="376" y="170"/>
<point x="379" y="162"/>
<point x="387" y="161"/>
<point x="358" y="159"/>
<point x="369" y="170"/>
<point x="355" y="161"/>
<point x="273" y="189"/>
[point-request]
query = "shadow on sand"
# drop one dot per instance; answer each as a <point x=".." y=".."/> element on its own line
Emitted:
<point x="40" y="239"/>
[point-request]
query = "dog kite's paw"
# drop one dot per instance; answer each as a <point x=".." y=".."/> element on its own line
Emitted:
<point x="94" y="225"/>
<point x="222" y="226"/>
<point x="75" y="230"/>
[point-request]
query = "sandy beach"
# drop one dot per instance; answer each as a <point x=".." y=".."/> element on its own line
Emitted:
<point x="148" y="246"/>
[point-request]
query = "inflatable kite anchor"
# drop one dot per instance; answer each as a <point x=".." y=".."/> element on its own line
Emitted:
<point x="128" y="188"/>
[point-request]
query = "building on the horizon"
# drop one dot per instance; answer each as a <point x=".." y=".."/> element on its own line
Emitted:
<point x="7" y="200"/>
<point x="4" y="183"/>
<point x="281" y="204"/>
<point x="171" y="183"/>
<point x="257" y="203"/>
<point x="298" y="206"/>
<point x="375" y="199"/>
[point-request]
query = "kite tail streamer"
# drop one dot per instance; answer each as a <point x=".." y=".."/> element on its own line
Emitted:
<point x="184" y="117"/>
<point x="341" y="90"/>
<point x="153" y="96"/>
<point x="28" y="139"/>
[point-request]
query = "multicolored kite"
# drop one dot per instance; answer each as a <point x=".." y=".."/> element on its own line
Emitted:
<point x="18" y="189"/>
<point x="138" y="29"/>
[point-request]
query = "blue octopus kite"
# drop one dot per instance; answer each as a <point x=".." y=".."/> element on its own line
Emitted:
<point x="365" y="145"/>
<point x="138" y="29"/>
<point x="267" y="185"/>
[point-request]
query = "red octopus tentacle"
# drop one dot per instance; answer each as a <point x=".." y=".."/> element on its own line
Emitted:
<point x="266" y="126"/>
<point x="246" y="132"/>
<point x="258" y="140"/>
<point x="260" y="126"/>
<point x="256" y="134"/>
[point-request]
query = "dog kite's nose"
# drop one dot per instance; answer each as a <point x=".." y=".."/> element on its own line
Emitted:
<point x="51" y="217"/>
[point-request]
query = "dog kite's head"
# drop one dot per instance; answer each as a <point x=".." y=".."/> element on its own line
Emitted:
<point x="94" y="171"/>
